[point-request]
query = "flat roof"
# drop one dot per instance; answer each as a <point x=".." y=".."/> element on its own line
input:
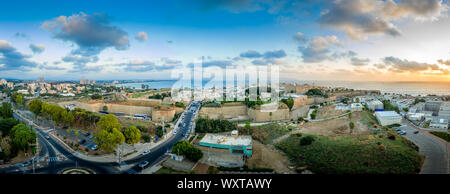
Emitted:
<point x="387" y="113"/>
<point x="221" y="139"/>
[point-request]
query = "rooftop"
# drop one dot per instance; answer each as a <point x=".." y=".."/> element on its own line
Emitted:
<point x="387" y="114"/>
<point x="221" y="139"/>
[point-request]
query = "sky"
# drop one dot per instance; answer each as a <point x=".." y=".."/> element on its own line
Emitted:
<point x="352" y="40"/>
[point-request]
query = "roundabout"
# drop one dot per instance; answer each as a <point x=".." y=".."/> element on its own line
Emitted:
<point x="76" y="171"/>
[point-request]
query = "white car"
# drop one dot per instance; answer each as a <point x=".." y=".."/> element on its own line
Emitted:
<point x="174" y="132"/>
<point x="145" y="152"/>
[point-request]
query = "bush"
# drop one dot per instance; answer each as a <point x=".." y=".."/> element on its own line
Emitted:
<point x="390" y="136"/>
<point x="147" y="138"/>
<point x="307" y="140"/>
<point x="352" y="125"/>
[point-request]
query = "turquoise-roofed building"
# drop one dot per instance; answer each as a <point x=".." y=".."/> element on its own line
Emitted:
<point x="237" y="144"/>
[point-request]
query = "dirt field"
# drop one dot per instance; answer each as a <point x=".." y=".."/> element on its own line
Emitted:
<point x="266" y="156"/>
<point x="328" y="111"/>
<point x="339" y="126"/>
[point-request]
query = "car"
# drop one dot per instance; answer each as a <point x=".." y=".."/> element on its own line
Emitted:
<point x="47" y="137"/>
<point x="91" y="136"/>
<point x="93" y="147"/>
<point x="26" y="163"/>
<point x="401" y="132"/>
<point x="143" y="164"/>
<point x="87" y="134"/>
<point x="82" y="141"/>
<point x="416" y="132"/>
<point x="145" y="152"/>
<point x="174" y="132"/>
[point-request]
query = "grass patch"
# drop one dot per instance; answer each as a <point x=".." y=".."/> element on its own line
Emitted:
<point x="266" y="133"/>
<point x="368" y="119"/>
<point x="443" y="135"/>
<point x="372" y="154"/>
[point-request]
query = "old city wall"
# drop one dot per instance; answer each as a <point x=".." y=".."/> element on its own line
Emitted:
<point x="95" y="107"/>
<point x="226" y="112"/>
<point x="261" y="116"/>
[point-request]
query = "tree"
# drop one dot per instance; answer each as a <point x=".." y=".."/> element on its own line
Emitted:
<point x="307" y="140"/>
<point x="6" y="124"/>
<point x="146" y="138"/>
<point x="352" y="125"/>
<point x="247" y="127"/>
<point x="105" y="108"/>
<point x="22" y="136"/>
<point x="77" y="134"/>
<point x="6" y="110"/>
<point x="108" y="140"/>
<point x="289" y="102"/>
<point x="35" y="106"/>
<point x="132" y="135"/>
<point x="109" y="122"/>
<point x="160" y="131"/>
<point x="109" y="136"/>
<point x="189" y="151"/>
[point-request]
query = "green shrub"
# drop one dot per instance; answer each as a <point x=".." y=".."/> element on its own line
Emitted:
<point x="147" y="138"/>
<point x="307" y="140"/>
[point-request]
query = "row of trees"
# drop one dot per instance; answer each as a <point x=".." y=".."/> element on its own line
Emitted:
<point x="160" y="96"/>
<point x="110" y="134"/>
<point x="14" y="135"/>
<point x="203" y="125"/>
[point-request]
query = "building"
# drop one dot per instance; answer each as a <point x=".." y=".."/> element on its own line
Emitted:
<point x="444" y="110"/>
<point x="237" y="144"/>
<point x="23" y="92"/>
<point x="41" y="79"/>
<point x="386" y="118"/>
<point x="415" y="116"/>
<point x="439" y="123"/>
<point x="3" y="82"/>
<point x="433" y="106"/>
<point x="374" y="105"/>
<point x="356" y="107"/>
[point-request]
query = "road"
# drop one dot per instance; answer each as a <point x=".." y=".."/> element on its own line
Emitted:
<point x="156" y="154"/>
<point x="435" y="152"/>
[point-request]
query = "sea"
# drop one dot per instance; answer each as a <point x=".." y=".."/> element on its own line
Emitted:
<point x="411" y="88"/>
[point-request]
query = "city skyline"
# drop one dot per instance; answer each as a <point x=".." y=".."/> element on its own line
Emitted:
<point x="310" y="40"/>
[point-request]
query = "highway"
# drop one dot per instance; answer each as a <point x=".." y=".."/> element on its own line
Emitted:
<point x="155" y="155"/>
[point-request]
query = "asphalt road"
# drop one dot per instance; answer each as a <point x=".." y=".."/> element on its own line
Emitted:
<point x="158" y="152"/>
<point x="153" y="157"/>
<point x="435" y="152"/>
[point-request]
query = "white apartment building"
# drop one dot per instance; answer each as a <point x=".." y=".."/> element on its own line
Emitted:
<point x="386" y="118"/>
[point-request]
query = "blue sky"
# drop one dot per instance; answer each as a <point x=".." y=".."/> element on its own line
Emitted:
<point x="344" y="39"/>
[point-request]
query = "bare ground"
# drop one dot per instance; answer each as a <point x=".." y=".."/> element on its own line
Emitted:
<point x="266" y="156"/>
<point x="339" y="126"/>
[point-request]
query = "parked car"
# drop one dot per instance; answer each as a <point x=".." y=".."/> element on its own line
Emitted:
<point x="145" y="152"/>
<point x="82" y="141"/>
<point x="47" y="137"/>
<point x="87" y="134"/>
<point x="143" y="164"/>
<point x="91" y="136"/>
<point x="93" y="147"/>
<point x="416" y="132"/>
